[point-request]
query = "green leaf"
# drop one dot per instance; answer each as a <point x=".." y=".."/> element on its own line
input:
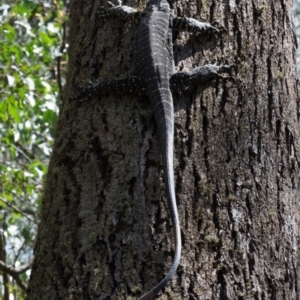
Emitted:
<point x="3" y="111"/>
<point x="46" y="39"/>
<point x="49" y="116"/>
<point x="9" y="32"/>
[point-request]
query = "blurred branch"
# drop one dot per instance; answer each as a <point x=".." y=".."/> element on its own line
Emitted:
<point x="4" y="275"/>
<point x="17" y="210"/>
<point x="14" y="272"/>
<point x="28" y="155"/>
<point x="61" y="51"/>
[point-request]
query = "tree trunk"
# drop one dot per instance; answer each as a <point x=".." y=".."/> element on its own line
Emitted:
<point x="105" y="231"/>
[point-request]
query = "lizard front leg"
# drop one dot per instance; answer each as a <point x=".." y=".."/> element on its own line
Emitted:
<point x="185" y="81"/>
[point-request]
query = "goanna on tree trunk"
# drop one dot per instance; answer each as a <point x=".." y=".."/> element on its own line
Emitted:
<point x="105" y="231"/>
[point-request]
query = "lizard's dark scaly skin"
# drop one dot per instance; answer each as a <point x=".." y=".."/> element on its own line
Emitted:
<point x="154" y="73"/>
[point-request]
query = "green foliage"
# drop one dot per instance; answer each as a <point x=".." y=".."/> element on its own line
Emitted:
<point x="30" y="51"/>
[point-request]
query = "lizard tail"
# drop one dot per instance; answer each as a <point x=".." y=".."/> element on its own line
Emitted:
<point x="166" y="141"/>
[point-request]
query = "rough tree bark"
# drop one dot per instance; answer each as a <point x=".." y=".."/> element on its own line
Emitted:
<point x="105" y="231"/>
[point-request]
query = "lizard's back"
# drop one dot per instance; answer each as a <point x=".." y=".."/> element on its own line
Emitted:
<point x="153" y="60"/>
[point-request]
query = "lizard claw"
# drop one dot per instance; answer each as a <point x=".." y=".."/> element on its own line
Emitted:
<point x="113" y="5"/>
<point x="226" y="68"/>
<point x="221" y="28"/>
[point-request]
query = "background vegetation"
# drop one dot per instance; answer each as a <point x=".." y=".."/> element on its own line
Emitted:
<point x="32" y="66"/>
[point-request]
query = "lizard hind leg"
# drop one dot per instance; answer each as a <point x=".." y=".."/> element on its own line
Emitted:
<point x="127" y="85"/>
<point x="192" y="25"/>
<point x="185" y="81"/>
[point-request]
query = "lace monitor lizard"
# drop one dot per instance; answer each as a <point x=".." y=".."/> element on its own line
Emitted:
<point x="155" y="77"/>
